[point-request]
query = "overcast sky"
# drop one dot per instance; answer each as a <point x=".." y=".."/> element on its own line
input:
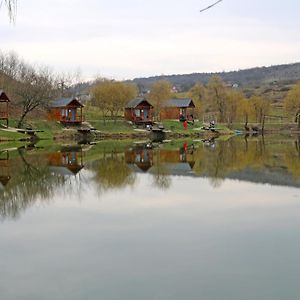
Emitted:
<point x="132" y="38"/>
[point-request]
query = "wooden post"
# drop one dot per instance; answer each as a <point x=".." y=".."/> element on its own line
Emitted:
<point x="80" y="114"/>
<point x="7" y="114"/>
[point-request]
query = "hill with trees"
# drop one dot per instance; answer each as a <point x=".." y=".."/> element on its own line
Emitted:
<point x="248" y="78"/>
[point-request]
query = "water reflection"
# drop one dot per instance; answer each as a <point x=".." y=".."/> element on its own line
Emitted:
<point x="31" y="174"/>
<point x="67" y="161"/>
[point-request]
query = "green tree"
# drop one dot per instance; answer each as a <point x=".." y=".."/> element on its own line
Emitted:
<point x="292" y="103"/>
<point x="262" y="107"/>
<point x="160" y="92"/>
<point x="198" y="94"/>
<point x="111" y="97"/>
<point x="217" y="94"/>
<point x="234" y="100"/>
<point x="245" y="111"/>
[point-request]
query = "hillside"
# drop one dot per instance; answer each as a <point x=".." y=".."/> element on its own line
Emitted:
<point x="248" y="78"/>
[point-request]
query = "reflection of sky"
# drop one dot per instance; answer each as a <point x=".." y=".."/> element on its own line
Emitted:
<point x="239" y="241"/>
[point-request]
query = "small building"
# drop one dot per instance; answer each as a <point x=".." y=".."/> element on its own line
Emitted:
<point x="66" y="110"/>
<point x="175" y="108"/>
<point x="139" y="111"/>
<point x="4" y="100"/>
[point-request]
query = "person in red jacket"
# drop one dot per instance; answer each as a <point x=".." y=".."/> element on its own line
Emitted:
<point x="185" y="124"/>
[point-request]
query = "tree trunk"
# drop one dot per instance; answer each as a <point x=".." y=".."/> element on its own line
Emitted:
<point x="263" y="124"/>
<point x="21" y="119"/>
<point x="246" y="122"/>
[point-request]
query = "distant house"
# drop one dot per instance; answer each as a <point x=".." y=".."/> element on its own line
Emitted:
<point x="66" y="110"/>
<point x="139" y="111"/>
<point x="4" y="100"/>
<point x="174" y="108"/>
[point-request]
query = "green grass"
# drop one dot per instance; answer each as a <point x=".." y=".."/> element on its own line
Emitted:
<point x="177" y="127"/>
<point x="11" y="136"/>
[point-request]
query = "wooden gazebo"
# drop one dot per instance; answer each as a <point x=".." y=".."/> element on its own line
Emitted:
<point x="4" y="100"/>
<point x="66" y="110"/>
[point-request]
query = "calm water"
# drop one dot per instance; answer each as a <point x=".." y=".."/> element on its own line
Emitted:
<point x="119" y="221"/>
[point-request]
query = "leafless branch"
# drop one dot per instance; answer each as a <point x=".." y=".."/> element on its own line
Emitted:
<point x="11" y="6"/>
<point x="210" y="6"/>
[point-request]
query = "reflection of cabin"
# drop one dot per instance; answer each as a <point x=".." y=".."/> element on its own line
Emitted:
<point x="4" y="169"/>
<point x="66" y="110"/>
<point x="141" y="156"/>
<point x="68" y="161"/>
<point x="174" y="108"/>
<point x="139" y="111"/>
<point x="4" y="100"/>
<point x="178" y="162"/>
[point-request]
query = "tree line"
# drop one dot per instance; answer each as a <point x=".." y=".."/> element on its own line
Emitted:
<point x="31" y="88"/>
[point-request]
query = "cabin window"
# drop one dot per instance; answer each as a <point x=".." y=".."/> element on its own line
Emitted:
<point x="64" y="112"/>
<point x="182" y="112"/>
<point x="137" y="113"/>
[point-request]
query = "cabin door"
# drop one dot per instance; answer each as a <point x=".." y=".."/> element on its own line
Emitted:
<point x="72" y="114"/>
<point x="146" y="114"/>
<point x="183" y="112"/>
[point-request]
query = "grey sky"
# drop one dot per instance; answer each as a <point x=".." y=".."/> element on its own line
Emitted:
<point x="130" y="38"/>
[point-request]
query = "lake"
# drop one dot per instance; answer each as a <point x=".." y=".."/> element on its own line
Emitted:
<point x="211" y="219"/>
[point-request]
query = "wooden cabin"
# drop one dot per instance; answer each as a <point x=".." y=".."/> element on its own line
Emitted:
<point x="4" y="100"/>
<point x="67" y="110"/>
<point x="177" y="109"/>
<point x="139" y="111"/>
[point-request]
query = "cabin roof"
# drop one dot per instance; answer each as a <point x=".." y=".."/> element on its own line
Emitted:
<point x="136" y="102"/>
<point x="63" y="102"/>
<point x="4" y="181"/>
<point x="3" y="97"/>
<point x="65" y="170"/>
<point x="186" y="102"/>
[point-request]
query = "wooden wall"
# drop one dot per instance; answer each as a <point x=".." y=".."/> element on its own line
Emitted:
<point x="173" y="113"/>
<point x="169" y="113"/>
<point x="54" y="114"/>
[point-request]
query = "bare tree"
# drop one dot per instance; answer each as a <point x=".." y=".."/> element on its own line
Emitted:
<point x="11" y="6"/>
<point x="34" y="90"/>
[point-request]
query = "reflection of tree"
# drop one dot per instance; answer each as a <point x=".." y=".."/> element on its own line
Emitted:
<point x="161" y="178"/>
<point x="232" y="156"/>
<point x="31" y="180"/>
<point x="292" y="159"/>
<point x="112" y="172"/>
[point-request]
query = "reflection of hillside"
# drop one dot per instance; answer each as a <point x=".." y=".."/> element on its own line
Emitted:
<point x="254" y="160"/>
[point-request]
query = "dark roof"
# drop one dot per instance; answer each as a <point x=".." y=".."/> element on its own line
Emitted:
<point x="64" y="102"/>
<point x="3" y="97"/>
<point x="187" y="102"/>
<point x="135" y="102"/>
